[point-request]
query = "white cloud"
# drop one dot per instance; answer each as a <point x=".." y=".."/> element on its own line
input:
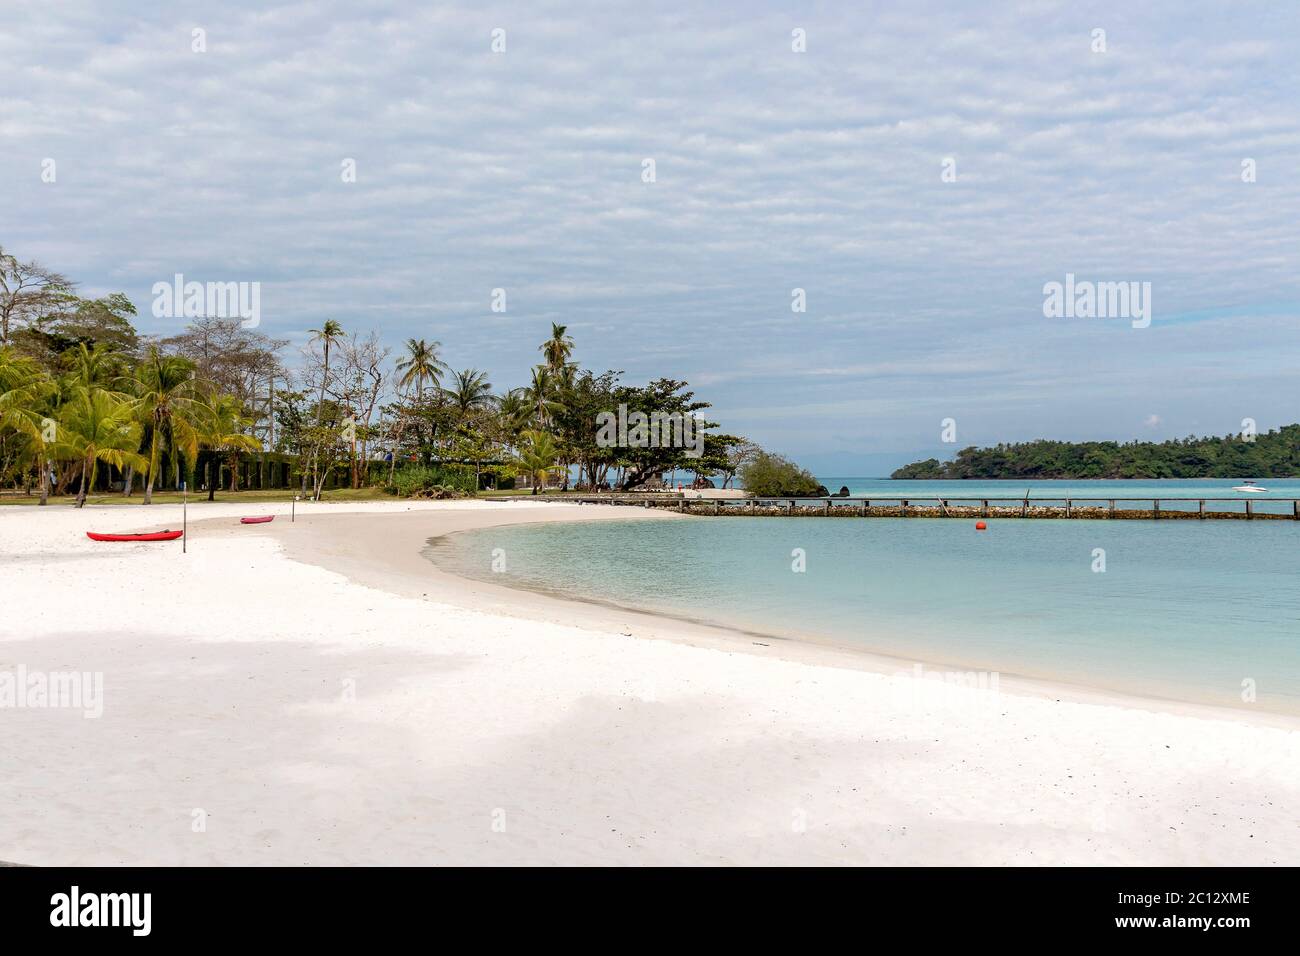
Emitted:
<point x="819" y="170"/>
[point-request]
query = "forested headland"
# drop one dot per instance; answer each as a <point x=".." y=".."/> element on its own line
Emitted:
<point x="1274" y="454"/>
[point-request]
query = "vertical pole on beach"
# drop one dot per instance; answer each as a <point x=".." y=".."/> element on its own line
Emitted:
<point x="293" y="510"/>
<point x="185" y="517"/>
<point x="1155" y="506"/>
<point x="1295" y="510"/>
<point x="1250" y="513"/>
<point x="1200" y="509"/>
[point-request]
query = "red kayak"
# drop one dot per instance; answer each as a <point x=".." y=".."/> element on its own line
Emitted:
<point x="151" y="536"/>
<point x="260" y="519"/>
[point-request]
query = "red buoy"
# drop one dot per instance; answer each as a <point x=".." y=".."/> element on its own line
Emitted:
<point x="981" y="526"/>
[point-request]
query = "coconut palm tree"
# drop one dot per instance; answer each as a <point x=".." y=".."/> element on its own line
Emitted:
<point x="558" y="348"/>
<point x="514" y="410"/>
<point x="96" y="427"/>
<point x="93" y="367"/>
<point x="421" y="362"/>
<point x="166" y="405"/>
<point x="22" y="389"/>
<point x="537" y="456"/>
<point x="470" y="392"/>
<point x="222" y="429"/>
<point x="329" y="333"/>
<point x="540" y="392"/>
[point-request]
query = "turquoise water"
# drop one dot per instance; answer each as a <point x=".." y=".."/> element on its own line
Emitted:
<point x="1187" y="610"/>
<point x="1128" y="493"/>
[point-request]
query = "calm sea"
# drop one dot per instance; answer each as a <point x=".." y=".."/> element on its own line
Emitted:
<point x="1197" y="611"/>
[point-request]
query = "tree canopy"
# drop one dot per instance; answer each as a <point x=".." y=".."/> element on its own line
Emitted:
<point x="1275" y="454"/>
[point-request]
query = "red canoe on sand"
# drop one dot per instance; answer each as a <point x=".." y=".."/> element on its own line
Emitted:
<point x="151" y="536"/>
<point x="260" y="519"/>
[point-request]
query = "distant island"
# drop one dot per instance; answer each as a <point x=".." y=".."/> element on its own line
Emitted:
<point x="1275" y="454"/>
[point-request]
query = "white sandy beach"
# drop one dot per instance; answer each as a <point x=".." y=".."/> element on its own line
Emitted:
<point x="318" y="693"/>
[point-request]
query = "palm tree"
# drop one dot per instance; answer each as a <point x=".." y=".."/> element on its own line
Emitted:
<point x="166" y="405"/>
<point x="422" y="361"/>
<point x="92" y="367"/>
<point x="22" y="387"/>
<point x="540" y="393"/>
<point x="222" y="430"/>
<point x="537" y="456"/>
<point x="97" y="427"/>
<point x="557" y="349"/>
<point x="470" y="392"/>
<point x="514" y="408"/>
<point x="329" y="332"/>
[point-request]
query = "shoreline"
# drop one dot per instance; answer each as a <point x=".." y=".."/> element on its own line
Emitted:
<point x="392" y="568"/>
<point x="315" y="718"/>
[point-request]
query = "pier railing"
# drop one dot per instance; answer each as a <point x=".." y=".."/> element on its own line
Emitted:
<point x="955" y="507"/>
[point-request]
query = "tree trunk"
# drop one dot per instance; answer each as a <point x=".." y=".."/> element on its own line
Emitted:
<point x="45" y="480"/>
<point x="212" y="479"/>
<point x="397" y="443"/>
<point x="81" y="492"/>
<point x="128" y="484"/>
<point x="153" y="467"/>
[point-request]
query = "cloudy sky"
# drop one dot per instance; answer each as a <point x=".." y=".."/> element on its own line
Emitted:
<point x="775" y="170"/>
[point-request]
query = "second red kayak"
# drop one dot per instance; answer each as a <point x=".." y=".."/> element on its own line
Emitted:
<point x="150" y="536"/>
<point x="260" y="519"/>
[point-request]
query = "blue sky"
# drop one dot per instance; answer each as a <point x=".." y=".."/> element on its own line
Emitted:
<point x="775" y="170"/>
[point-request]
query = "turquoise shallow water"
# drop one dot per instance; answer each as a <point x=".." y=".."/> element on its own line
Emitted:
<point x="1187" y="610"/>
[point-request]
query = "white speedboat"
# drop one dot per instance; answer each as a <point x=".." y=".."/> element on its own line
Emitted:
<point x="1249" y="486"/>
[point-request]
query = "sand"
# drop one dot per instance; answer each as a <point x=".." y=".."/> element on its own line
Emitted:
<point x="318" y="693"/>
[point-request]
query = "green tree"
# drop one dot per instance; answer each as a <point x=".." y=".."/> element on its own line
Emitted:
<point x="166" y="404"/>
<point x="421" y="362"/>
<point x="537" y="456"/>
<point x="769" y="475"/>
<point x="223" y="428"/>
<point x="96" y="427"/>
<point x="558" y="348"/>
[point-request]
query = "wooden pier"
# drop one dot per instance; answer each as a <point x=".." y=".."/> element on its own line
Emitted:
<point x="1161" y="509"/>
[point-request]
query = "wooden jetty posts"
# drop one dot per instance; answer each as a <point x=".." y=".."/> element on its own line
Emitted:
<point x="1161" y="509"/>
